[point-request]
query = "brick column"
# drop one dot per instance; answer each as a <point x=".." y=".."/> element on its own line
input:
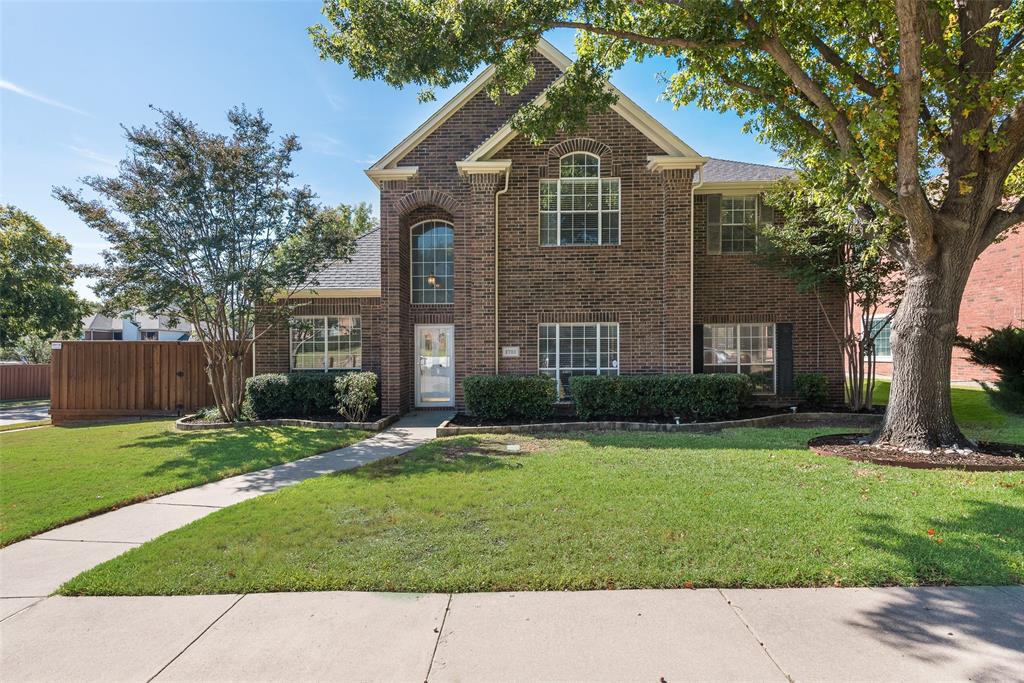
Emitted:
<point x="392" y="310"/>
<point x="676" y="318"/>
<point x="474" y="343"/>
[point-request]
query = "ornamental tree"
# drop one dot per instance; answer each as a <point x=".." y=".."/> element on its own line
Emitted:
<point x="917" y="102"/>
<point x="210" y="229"/>
<point x="37" y="278"/>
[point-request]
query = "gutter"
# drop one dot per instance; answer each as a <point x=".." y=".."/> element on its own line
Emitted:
<point x="497" y="347"/>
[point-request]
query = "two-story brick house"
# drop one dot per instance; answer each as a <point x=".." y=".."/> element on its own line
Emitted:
<point x="616" y="249"/>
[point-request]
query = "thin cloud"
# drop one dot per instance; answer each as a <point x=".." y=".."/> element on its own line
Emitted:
<point x="93" y="155"/>
<point x="18" y="90"/>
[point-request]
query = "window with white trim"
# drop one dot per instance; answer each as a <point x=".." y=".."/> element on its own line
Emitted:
<point x="326" y="342"/>
<point x="881" y="329"/>
<point x="580" y="207"/>
<point x="433" y="262"/>
<point x="739" y="224"/>
<point x="567" y="349"/>
<point x="747" y="349"/>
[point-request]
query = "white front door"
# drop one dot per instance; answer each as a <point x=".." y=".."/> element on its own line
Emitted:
<point x="435" y="367"/>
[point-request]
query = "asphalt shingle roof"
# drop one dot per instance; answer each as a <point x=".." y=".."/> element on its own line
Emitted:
<point x="362" y="272"/>
<point x="724" y="171"/>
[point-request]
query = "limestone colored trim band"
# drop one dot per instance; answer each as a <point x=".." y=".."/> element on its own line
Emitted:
<point x="831" y="419"/>
<point x="185" y="424"/>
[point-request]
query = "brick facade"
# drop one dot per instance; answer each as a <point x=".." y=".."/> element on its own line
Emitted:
<point x="643" y="283"/>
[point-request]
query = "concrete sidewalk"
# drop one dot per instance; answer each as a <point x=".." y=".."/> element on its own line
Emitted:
<point x="38" y="566"/>
<point x="11" y="416"/>
<point x="835" y="634"/>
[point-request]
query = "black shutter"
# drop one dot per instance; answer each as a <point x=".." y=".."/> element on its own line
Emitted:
<point x="784" y="358"/>
<point x="698" y="349"/>
<point x="714" y="224"/>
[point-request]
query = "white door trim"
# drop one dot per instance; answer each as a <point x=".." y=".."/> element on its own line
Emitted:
<point x="450" y="330"/>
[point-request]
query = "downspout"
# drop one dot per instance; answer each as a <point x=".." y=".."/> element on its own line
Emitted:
<point x="497" y="348"/>
<point x="693" y="211"/>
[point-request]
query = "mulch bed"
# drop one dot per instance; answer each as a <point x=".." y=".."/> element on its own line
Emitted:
<point x="990" y="456"/>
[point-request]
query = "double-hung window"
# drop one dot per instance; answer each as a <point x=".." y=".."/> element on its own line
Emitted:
<point x="880" y="329"/>
<point x="580" y="207"/>
<point x="326" y="342"/>
<point x="564" y="350"/>
<point x="747" y="349"/>
<point x="739" y="224"/>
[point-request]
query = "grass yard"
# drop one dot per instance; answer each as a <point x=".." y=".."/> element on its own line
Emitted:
<point x="975" y="413"/>
<point x="24" y="425"/>
<point x="748" y="507"/>
<point x="52" y="476"/>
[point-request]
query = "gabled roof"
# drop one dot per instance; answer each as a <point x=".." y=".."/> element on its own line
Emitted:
<point x="358" y="277"/>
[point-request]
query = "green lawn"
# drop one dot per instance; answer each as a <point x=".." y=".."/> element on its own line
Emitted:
<point x="975" y="414"/>
<point x="56" y="475"/>
<point x="748" y="507"/>
<point x="24" y="425"/>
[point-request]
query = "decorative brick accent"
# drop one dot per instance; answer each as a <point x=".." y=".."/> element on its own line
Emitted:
<point x="590" y="145"/>
<point x="422" y="198"/>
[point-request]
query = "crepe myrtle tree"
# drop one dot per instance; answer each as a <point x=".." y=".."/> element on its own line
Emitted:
<point x="820" y="242"/>
<point x="886" y="92"/>
<point x="209" y="228"/>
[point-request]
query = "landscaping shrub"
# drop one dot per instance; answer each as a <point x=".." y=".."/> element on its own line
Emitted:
<point x="355" y="394"/>
<point x="689" y="397"/>
<point x="510" y="397"/>
<point x="1002" y="350"/>
<point x="811" y="389"/>
<point x="306" y="394"/>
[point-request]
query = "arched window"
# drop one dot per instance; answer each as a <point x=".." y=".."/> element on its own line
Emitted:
<point x="433" y="267"/>
<point x="580" y="207"/>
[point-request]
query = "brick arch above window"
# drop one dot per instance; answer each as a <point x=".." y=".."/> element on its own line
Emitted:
<point x="589" y="145"/>
<point x="424" y="198"/>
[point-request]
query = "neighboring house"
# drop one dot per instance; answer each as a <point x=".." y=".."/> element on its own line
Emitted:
<point x="616" y="249"/>
<point x="994" y="297"/>
<point x="134" y="327"/>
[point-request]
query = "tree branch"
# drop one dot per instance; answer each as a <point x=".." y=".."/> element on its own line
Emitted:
<point x="833" y="58"/>
<point x="1001" y="221"/>
<point x="786" y="109"/>
<point x="681" y="43"/>
<point x="919" y="214"/>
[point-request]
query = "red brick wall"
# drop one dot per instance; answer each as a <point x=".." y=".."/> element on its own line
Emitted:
<point x="734" y="288"/>
<point x="994" y="297"/>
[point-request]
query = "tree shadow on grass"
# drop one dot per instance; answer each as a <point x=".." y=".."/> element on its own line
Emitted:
<point x="205" y="456"/>
<point x="937" y="624"/>
<point x="484" y="453"/>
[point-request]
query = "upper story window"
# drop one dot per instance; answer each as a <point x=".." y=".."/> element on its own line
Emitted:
<point x="739" y="224"/>
<point x="433" y="262"/>
<point x="580" y="207"/>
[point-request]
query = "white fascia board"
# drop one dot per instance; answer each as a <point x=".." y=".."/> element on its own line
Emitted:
<point x="735" y="187"/>
<point x="379" y="175"/>
<point x="668" y="162"/>
<point x="478" y="167"/>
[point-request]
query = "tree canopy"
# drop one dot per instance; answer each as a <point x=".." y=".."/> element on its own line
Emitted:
<point x="37" y="278"/>
<point x="210" y="228"/>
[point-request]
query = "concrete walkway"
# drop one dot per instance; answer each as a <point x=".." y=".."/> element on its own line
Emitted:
<point x="34" y="568"/>
<point x="833" y="634"/>
<point x="11" y="416"/>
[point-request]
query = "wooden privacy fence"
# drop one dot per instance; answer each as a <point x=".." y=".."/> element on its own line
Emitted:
<point x="93" y="380"/>
<point x="24" y="381"/>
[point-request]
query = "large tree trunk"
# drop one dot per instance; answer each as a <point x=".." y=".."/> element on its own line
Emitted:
<point x="920" y="414"/>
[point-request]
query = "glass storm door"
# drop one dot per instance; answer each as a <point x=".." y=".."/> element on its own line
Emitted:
<point x="435" y="369"/>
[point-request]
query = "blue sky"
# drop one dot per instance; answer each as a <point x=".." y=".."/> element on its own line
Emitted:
<point x="72" y="73"/>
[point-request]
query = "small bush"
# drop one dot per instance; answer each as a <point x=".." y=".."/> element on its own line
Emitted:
<point x="355" y="395"/>
<point x="510" y="397"/>
<point x="689" y="397"/>
<point x="312" y="393"/>
<point x="1002" y="350"/>
<point x="268" y="396"/>
<point x="811" y="389"/>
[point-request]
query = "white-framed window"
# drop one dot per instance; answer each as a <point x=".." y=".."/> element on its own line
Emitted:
<point x="580" y="207"/>
<point x="567" y="349"/>
<point x="326" y="342"/>
<point x="745" y="348"/>
<point x="739" y="224"/>
<point x="433" y="262"/>
<point x="881" y="329"/>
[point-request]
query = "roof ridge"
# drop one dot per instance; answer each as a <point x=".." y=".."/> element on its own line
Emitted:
<point x="753" y="163"/>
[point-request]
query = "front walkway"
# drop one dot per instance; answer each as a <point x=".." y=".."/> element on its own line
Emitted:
<point x="34" y="568"/>
<point x="855" y="634"/>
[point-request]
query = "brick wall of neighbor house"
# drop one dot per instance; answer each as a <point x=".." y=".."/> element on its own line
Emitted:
<point x="994" y="297"/>
<point x="273" y="347"/>
<point x="733" y="288"/>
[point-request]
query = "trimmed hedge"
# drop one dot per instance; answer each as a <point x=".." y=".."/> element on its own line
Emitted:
<point x="355" y="395"/>
<point x="510" y="397"/>
<point x="303" y="394"/>
<point x="811" y="389"/>
<point x="688" y="397"/>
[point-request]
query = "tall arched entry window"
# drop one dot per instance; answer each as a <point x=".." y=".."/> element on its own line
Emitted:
<point x="433" y="262"/>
